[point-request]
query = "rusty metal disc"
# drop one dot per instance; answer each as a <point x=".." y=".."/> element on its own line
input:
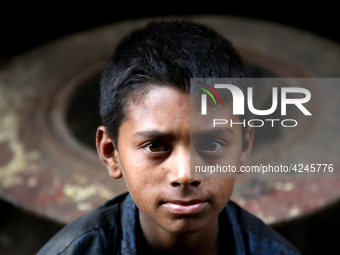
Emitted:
<point x="49" y="167"/>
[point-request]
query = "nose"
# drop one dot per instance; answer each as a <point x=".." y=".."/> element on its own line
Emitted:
<point x="179" y="170"/>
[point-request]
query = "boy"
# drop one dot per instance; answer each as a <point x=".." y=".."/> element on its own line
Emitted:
<point x="145" y="108"/>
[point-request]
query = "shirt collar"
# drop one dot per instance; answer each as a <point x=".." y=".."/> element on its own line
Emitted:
<point x="128" y="222"/>
<point x="235" y="229"/>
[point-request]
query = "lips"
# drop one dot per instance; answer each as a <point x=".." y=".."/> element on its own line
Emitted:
<point x="185" y="207"/>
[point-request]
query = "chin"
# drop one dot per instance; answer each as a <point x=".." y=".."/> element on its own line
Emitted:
<point x="183" y="231"/>
<point x="184" y="227"/>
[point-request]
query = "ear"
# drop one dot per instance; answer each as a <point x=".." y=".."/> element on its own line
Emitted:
<point x="247" y="145"/>
<point x="107" y="152"/>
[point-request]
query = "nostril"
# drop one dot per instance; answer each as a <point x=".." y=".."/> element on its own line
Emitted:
<point x="175" y="184"/>
<point x="195" y="183"/>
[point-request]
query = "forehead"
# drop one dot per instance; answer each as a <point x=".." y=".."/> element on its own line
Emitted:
<point x="165" y="107"/>
<point x="162" y="108"/>
<point x="158" y="99"/>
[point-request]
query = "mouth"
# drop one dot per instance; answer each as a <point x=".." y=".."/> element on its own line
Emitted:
<point x="185" y="207"/>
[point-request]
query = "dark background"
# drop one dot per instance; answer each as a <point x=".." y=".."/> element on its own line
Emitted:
<point x="26" y="27"/>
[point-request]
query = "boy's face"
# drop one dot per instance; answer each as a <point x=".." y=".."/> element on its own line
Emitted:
<point x="153" y="156"/>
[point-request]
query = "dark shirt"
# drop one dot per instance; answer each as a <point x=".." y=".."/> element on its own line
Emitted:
<point x="113" y="228"/>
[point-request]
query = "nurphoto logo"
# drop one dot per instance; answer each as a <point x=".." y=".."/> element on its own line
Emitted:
<point x="292" y="124"/>
<point x="238" y="103"/>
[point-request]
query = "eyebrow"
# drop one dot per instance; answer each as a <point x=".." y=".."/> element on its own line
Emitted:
<point x="152" y="133"/>
<point x="205" y="133"/>
<point x="215" y="132"/>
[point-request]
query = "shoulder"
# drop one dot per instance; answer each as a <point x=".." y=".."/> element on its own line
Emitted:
<point x="258" y="237"/>
<point x="92" y="228"/>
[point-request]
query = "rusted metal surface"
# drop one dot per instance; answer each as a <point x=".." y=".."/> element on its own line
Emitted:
<point x="46" y="170"/>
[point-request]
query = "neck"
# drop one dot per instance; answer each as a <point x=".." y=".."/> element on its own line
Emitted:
<point x="160" y="241"/>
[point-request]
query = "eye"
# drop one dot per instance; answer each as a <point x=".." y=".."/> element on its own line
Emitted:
<point x="210" y="146"/>
<point x="155" y="147"/>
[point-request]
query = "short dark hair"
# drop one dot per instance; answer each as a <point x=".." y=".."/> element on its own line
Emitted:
<point x="163" y="53"/>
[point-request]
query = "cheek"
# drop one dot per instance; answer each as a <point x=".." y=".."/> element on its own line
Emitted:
<point x="222" y="189"/>
<point x="141" y="179"/>
<point x="233" y="156"/>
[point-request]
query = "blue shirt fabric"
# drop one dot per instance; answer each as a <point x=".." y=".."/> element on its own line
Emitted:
<point x="113" y="228"/>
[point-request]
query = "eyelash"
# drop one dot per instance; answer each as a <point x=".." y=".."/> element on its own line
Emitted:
<point x="219" y="144"/>
<point x="163" y="148"/>
<point x="146" y="147"/>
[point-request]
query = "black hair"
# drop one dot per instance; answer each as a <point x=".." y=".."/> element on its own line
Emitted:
<point x="162" y="53"/>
